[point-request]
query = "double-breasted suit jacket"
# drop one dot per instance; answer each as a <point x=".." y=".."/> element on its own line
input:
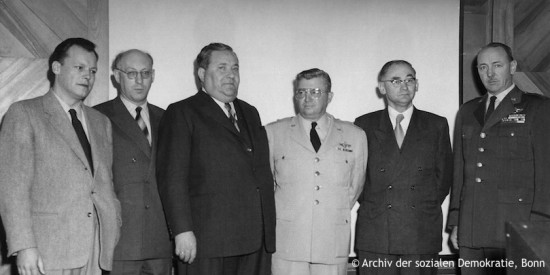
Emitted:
<point x="214" y="180"/>
<point x="400" y="207"/>
<point x="48" y="195"/>
<point x="144" y="233"/>
<point x="501" y="167"/>
<point x="315" y="191"/>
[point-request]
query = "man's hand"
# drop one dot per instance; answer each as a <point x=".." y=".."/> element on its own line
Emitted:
<point x="454" y="237"/>
<point x="29" y="262"/>
<point x="186" y="246"/>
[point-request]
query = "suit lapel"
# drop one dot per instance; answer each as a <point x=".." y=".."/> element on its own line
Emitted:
<point x="385" y="138"/>
<point x="61" y="122"/>
<point x="124" y="120"/>
<point x="93" y="122"/>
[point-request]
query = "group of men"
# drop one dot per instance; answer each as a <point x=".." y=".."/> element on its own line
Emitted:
<point x="126" y="185"/>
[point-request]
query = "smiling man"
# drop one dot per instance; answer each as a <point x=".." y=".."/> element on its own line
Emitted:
<point x="501" y="152"/>
<point x="409" y="175"/>
<point x="56" y="188"/>
<point x="213" y="174"/>
<point x="144" y="246"/>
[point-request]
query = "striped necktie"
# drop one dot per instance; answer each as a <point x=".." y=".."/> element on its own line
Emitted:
<point x="232" y="117"/>
<point x="141" y="124"/>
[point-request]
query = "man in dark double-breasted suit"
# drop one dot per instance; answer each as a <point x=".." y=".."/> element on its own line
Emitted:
<point x="502" y="160"/>
<point x="409" y="173"/>
<point x="214" y="175"/>
<point x="144" y="247"/>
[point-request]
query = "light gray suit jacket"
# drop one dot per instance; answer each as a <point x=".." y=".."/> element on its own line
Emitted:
<point x="48" y="195"/>
<point x="315" y="191"/>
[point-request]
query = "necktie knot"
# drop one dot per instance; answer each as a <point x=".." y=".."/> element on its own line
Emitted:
<point x="138" y="112"/>
<point x="398" y="119"/>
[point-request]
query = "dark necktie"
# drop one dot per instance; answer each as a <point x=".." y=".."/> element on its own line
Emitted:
<point x="491" y="108"/>
<point x="232" y="117"/>
<point x="82" y="137"/>
<point x="399" y="133"/>
<point x="314" y="137"/>
<point x="141" y="123"/>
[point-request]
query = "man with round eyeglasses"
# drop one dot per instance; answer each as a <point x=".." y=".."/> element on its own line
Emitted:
<point x="318" y="165"/>
<point x="409" y="175"/>
<point x="144" y="246"/>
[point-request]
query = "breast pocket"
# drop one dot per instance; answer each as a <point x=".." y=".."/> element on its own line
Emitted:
<point x="515" y="142"/>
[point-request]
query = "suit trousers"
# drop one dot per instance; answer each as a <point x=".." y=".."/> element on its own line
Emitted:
<point x="92" y="266"/>
<point x="393" y="264"/>
<point x="145" y="267"/>
<point x="256" y="263"/>
<point x="287" y="267"/>
<point x="478" y="255"/>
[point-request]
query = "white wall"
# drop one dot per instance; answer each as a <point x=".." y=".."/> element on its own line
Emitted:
<point x="274" y="40"/>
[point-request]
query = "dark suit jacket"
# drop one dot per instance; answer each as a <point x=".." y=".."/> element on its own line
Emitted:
<point x="400" y="207"/>
<point x="48" y="195"/>
<point x="502" y="167"/>
<point x="144" y="233"/>
<point x="216" y="181"/>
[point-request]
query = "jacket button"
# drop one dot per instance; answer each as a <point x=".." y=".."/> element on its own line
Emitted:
<point x="482" y="135"/>
<point x="478" y="180"/>
<point x="382" y="170"/>
<point x="249" y="150"/>
<point x="389" y="205"/>
<point x="520" y="199"/>
<point x="419" y="168"/>
<point x="89" y="214"/>
<point x="316" y="202"/>
<point x="390" y="187"/>
<point x="317" y="188"/>
<point x="412" y="187"/>
<point x="147" y="206"/>
<point x="134" y="160"/>
<point x="316" y="159"/>
<point x="317" y="173"/>
<point x="512" y="134"/>
<point x="481" y="149"/>
<point x="479" y="164"/>
<point x="413" y="207"/>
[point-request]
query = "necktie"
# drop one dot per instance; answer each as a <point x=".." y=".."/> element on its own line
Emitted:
<point x="399" y="133"/>
<point x="141" y="123"/>
<point x="491" y="107"/>
<point x="232" y="116"/>
<point x="77" y="125"/>
<point x="314" y="137"/>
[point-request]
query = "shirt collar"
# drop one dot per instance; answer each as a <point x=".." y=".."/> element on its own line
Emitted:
<point x="131" y="106"/>
<point x="500" y="96"/>
<point x="222" y="105"/>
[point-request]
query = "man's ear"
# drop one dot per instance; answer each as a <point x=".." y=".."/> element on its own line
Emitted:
<point x="381" y="88"/>
<point x="200" y="74"/>
<point x="513" y="66"/>
<point x="56" y="67"/>
<point x="116" y="74"/>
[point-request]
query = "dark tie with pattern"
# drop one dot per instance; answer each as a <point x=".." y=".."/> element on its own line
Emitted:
<point x="314" y="137"/>
<point x="399" y="133"/>
<point x="77" y="125"/>
<point x="141" y="123"/>
<point x="232" y="117"/>
<point x="491" y="108"/>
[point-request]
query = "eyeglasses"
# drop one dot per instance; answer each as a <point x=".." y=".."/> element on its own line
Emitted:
<point x="134" y="74"/>
<point x="313" y="92"/>
<point x="398" y="82"/>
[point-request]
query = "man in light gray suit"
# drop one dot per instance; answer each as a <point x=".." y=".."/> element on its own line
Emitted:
<point x="319" y="164"/>
<point x="57" y="201"/>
